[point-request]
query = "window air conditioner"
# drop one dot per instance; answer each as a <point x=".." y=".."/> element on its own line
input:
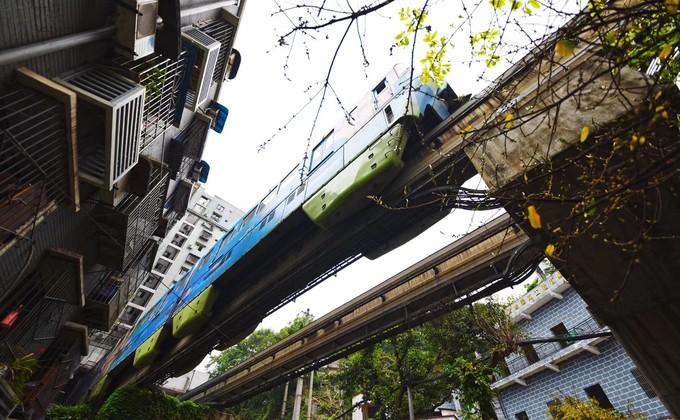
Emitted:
<point x="110" y="110"/>
<point x="203" y="52"/>
<point x="136" y="27"/>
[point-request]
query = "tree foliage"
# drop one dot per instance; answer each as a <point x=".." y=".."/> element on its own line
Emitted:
<point x="571" y="408"/>
<point x="256" y="342"/>
<point x="456" y="351"/>
<point x="265" y="405"/>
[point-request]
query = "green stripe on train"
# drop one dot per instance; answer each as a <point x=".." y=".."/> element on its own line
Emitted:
<point x="193" y="316"/>
<point x="368" y="174"/>
<point x="148" y="350"/>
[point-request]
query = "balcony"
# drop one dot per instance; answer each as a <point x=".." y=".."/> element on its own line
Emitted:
<point x="109" y="291"/>
<point x="36" y="156"/>
<point x="33" y="314"/>
<point x="549" y="355"/>
<point x="544" y="292"/>
<point x="124" y="229"/>
<point x="55" y="368"/>
<point x="187" y="148"/>
<point x="161" y="78"/>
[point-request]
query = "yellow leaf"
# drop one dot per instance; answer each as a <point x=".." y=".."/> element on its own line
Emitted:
<point x="550" y="250"/>
<point x="564" y="48"/>
<point x="665" y="51"/>
<point x="642" y="140"/>
<point x="534" y="217"/>
<point x="585" y="131"/>
<point x="672" y="6"/>
<point x="508" y="120"/>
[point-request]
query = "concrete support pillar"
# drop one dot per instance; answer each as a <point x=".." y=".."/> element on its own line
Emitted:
<point x="297" y="405"/>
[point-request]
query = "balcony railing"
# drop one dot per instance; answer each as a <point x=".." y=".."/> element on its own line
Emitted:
<point x="187" y="148"/>
<point x="125" y="228"/>
<point x="55" y="369"/>
<point x="34" y="162"/>
<point x="110" y="291"/>
<point x="34" y="315"/>
<point x="543" y="351"/>
<point x="162" y="78"/>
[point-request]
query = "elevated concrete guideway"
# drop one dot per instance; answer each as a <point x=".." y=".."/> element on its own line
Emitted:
<point x="467" y="268"/>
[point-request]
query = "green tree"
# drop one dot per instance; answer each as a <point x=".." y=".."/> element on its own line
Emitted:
<point x="256" y="342"/>
<point x="571" y="408"/>
<point x="456" y="351"/>
<point x="267" y="404"/>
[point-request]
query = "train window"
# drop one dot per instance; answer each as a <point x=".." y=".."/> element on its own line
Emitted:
<point x="267" y="200"/>
<point x="247" y="219"/>
<point x="218" y="262"/>
<point x="389" y="114"/>
<point x="321" y="151"/>
<point x="380" y="87"/>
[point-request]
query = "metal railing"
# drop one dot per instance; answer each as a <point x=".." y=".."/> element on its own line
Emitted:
<point x="110" y="290"/>
<point x="34" y="163"/>
<point x="544" y="350"/>
<point x="162" y="79"/>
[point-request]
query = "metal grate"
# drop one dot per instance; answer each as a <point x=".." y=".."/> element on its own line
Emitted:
<point x="124" y="229"/>
<point x="223" y="32"/>
<point x="162" y="78"/>
<point x="33" y="161"/>
<point x="122" y="102"/>
<point x="205" y="62"/>
<point x="110" y="290"/>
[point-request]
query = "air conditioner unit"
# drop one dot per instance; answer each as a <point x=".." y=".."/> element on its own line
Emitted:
<point x="110" y="109"/>
<point x="136" y="27"/>
<point x="203" y="52"/>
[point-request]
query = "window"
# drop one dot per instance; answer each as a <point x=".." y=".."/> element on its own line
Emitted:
<point x="199" y="208"/>
<point x="182" y="270"/>
<point x="200" y="246"/>
<point x="186" y="229"/>
<point x="389" y="114"/>
<point x="321" y="150"/>
<point x="205" y="236"/>
<point x="560" y="330"/>
<point x="207" y="225"/>
<point x="192" y="259"/>
<point x="644" y="384"/>
<point x="178" y="240"/>
<point x="220" y="208"/>
<point x="380" y="87"/>
<point x="162" y="266"/>
<point x="192" y="218"/>
<point x="595" y="392"/>
<point x="215" y="216"/>
<point x="530" y="353"/>
<point x="522" y="415"/>
<point x="152" y="281"/>
<point x="203" y="201"/>
<point x="170" y="252"/>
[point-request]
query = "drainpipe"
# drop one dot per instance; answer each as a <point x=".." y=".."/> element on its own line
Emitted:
<point x="25" y="52"/>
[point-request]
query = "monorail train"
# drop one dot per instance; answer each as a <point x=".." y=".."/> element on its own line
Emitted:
<point x="359" y="157"/>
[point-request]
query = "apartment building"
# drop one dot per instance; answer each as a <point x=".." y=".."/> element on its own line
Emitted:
<point x="105" y="109"/>
<point x="596" y="367"/>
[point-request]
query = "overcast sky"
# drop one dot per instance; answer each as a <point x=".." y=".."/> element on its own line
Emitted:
<point x="261" y="99"/>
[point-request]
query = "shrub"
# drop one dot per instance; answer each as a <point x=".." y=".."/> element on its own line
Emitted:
<point x="131" y="403"/>
<point x="70" y="412"/>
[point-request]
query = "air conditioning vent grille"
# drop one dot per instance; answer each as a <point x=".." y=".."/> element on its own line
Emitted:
<point x="119" y="102"/>
<point x="223" y="32"/>
<point x="201" y="38"/>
